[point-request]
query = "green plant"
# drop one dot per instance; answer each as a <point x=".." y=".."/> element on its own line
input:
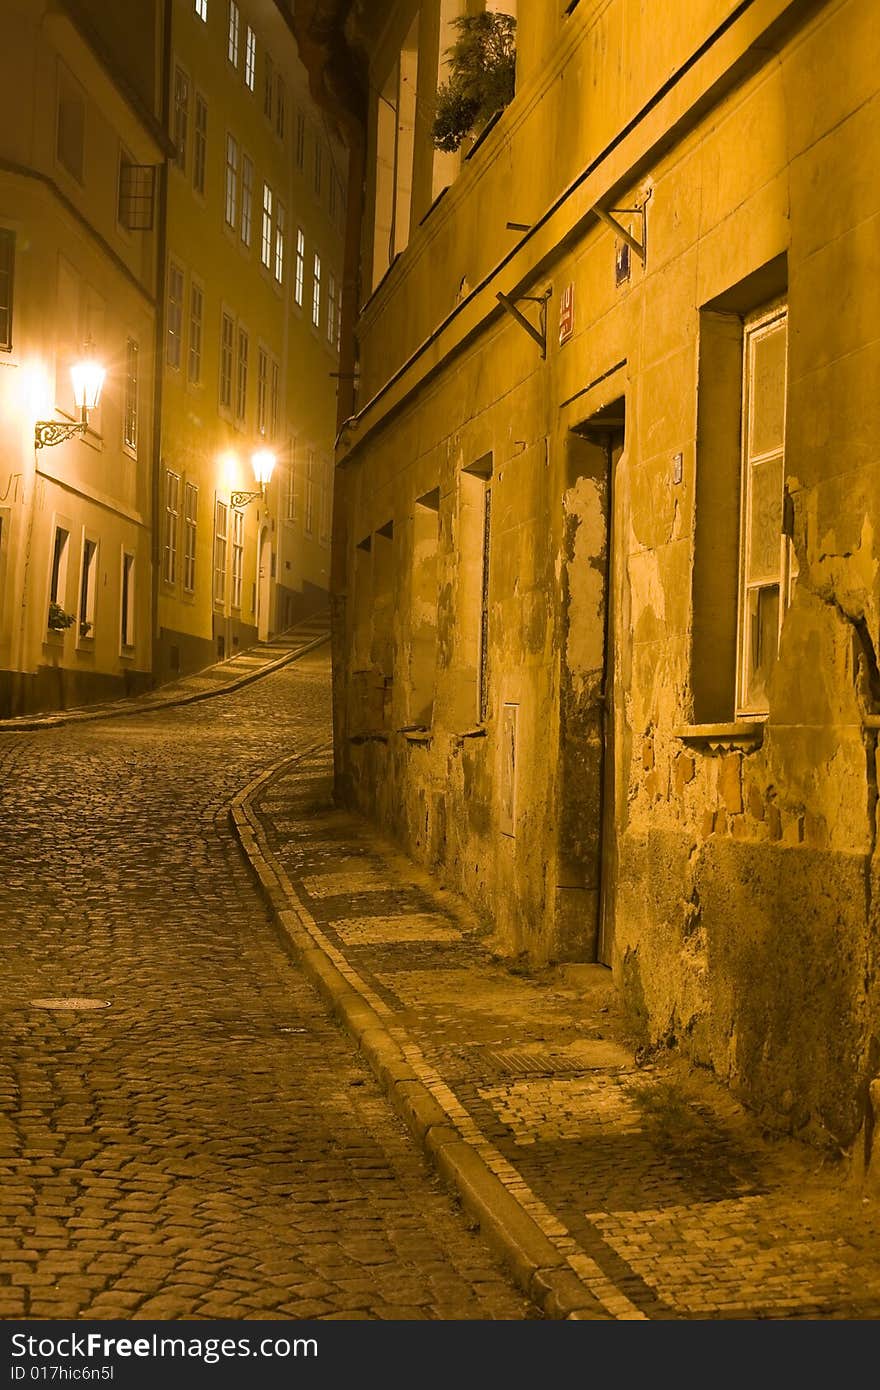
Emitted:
<point x="58" y="620"/>
<point x="482" y="76"/>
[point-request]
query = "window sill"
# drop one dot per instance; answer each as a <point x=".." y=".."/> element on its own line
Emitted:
<point x="478" y="731"/>
<point x="417" y="733"/>
<point x="744" y="733"/>
<point x="370" y="736"/>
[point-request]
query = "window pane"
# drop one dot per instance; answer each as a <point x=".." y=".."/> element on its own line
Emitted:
<point x="765" y="520"/>
<point x="762" y="643"/>
<point x="768" y="391"/>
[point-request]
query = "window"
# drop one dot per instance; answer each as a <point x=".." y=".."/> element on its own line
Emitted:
<point x="279" y="242"/>
<point x="130" y="401"/>
<point x="274" y="378"/>
<point x="70" y="132"/>
<point x="7" y="268"/>
<point x="175" y="316"/>
<point x="233" y="34"/>
<point x="309" y="510"/>
<point x="300" y="266"/>
<point x="220" y="525"/>
<point x="250" y="58"/>
<point x="318" y="164"/>
<point x="190" y="517"/>
<point x="299" y="144"/>
<point x="316" y="291"/>
<point x="87" y="587"/>
<point x="231" y="212"/>
<point x="290" y="494"/>
<point x="136" y="195"/>
<point x="268" y="88"/>
<point x="331" y="195"/>
<point x="227" y="338"/>
<point x="331" y="307"/>
<point x="241" y="375"/>
<point x="181" y="116"/>
<point x="200" y="143"/>
<point x="474" y="531"/>
<point x="58" y="576"/>
<point x="326" y="499"/>
<point x="126" y="604"/>
<point x="237" y="556"/>
<point x="266" y="241"/>
<point x="196" y="313"/>
<point x="202" y="10"/>
<point x="765" y="575"/>
<point x="169" y="540"/>
<point x="279" y="107"/>
<point x="247" y="198"/>
<point x="339" y="319"/>
<point x="262" y="390"/>
<point x="424" y="596"/>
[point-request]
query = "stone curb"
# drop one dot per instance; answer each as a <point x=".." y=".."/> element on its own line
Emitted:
<point x="537" y="1266"/>
<point x="149" y="706"/>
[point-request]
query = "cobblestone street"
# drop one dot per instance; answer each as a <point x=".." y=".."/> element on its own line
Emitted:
<point x="209" y="1144"/>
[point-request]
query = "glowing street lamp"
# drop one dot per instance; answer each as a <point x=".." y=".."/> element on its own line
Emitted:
<point x="263" y="464"/>
<point x="87" y="376"/>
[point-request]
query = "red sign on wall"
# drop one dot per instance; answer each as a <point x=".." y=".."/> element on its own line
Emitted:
<point x="566" y="314"/>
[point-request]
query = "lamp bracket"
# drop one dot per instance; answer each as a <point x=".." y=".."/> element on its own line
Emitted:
<point x="539" y="334"/>
<point x="636" y="245"/>
<point x="241" y="499"/>
<point x="49" y="432"/>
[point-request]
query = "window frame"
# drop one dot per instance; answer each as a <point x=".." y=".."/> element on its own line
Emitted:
<point x="227" y="360"/>
<point x="190" y="529"/>
<point x="130" y="396"/>
<point x="172" y="336"/>
<point x="220" y="559"/>
<point x="233" y="35"/>
<point x="170" y="526"/>
<point x="230" y="197"/>
<point x="196" y="333"/>
<point x="250" y="58"/>
<point x="200" y="142"/>
<point x="7" y="278"/>
<point x="180" y="97"/>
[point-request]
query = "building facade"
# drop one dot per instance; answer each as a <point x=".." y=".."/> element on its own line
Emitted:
<point x="606" y="569"/>
<point x="79" y="148"/>
<point x="255" y="219"/>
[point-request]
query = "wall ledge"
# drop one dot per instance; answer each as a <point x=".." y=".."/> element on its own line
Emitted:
<point x="744" y="733"/>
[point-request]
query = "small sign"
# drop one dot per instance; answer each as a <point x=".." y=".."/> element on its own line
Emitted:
<point x="566" y="314"/>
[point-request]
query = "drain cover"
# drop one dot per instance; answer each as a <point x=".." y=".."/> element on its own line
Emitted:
<point x="70" y="1004"/>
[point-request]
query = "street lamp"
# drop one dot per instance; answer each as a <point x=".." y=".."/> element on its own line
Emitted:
<point x="87" y="376"/>
<point x="262" y="462"/>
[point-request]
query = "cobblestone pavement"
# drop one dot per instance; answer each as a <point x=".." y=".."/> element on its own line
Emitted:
<point x="209" y="1144"/>
<point x="664" y="1196"/>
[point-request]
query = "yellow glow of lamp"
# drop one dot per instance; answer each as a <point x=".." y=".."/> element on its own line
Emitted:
<point x="87" y="377"/>
<point x="263" y="464"/>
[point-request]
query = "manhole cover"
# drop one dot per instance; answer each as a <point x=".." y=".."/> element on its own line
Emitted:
<point x="70" y="1004"/>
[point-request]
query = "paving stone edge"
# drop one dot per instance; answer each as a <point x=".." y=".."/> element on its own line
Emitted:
<point x="149" y="706"/>
<point x="538" y="1267"/>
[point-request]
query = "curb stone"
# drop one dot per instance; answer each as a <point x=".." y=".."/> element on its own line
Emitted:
<point x="537" y="1266"/>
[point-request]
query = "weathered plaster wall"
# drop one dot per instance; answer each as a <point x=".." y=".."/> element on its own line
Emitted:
<point x="738" y="874"/>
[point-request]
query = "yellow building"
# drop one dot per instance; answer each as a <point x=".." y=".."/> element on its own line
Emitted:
<point x="606" y="553"/>
<point x="79" y="147"/>
<point x="255" y="208"/>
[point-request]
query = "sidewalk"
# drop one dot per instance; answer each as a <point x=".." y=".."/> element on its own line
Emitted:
<point x="614" y="1187"/>
<point x="220" y="679"/>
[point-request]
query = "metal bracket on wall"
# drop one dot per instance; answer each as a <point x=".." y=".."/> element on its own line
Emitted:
<point x="539" y="334"/>
<point x="610" y="219"/>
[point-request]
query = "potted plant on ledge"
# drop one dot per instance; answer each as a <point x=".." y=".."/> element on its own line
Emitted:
<point x="58" y="620"/>
<point x="482" y="77"/>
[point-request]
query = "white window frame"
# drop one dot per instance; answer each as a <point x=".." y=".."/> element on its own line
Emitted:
<point x="171" y="519"/>
<point x="316" y="291"/>
<point x="242" y="352"/>
<point x="300" y="277"/>
<point x="761" y="325"/>
<point x="88" y="588"/>
<point x="266" y="228"/>
<point x="127" y="609"/>
<point x="233" y="34"/>
<point x="174" y="329"/>
<point x="250" y="58"/>
<point x="230" y="208"/>
<point x="180" y="107"/>
<point x="280" y="106"/>
<point x="130" y="398"/>
<point x="196" y="328"/>
<point x="201" y="9"/>
<point x="262" y="390"/>
<point x="200" y="143"/>
<point x="190" y="524"/>
<point x="331" y="307"/>
<point x="227" y="358"/>
<point x="221" y="534"/>
<point x="280" y="221"/>
<point x="237" y="557"/>
<point x="309" y="507"/>
<point x="247" y="199"/>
